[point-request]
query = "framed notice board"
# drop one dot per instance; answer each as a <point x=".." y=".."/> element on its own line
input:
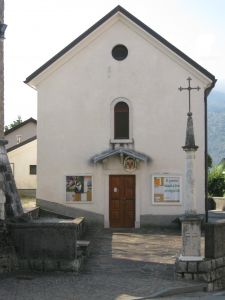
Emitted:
<point x="166" y="189"/>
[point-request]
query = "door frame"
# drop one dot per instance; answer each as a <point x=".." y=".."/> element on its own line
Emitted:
<point x="121" y="182"/>
<point x="137" y="195"/>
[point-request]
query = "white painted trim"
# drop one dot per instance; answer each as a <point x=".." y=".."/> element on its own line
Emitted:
<point x="190" y="258"/>
<point x="128" y="141"/>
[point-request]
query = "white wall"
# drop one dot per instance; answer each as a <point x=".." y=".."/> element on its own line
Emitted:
<point x="74" y="117"/>
<point x="22" y="158"/>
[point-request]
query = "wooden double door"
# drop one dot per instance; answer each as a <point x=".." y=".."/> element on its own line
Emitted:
<point x="122" y="201"/>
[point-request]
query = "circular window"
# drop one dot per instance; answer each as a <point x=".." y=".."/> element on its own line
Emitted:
<point x="119" y="52"/>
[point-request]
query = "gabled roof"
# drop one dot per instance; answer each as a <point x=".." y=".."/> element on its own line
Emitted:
<point x="30" y="120"/>
<point x="120" y="9"/>
<point x="22" y="144"/>
<point x="119" y="151"/>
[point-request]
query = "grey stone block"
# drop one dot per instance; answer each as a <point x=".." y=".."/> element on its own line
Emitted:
<point x="179" y="276"/>
<point x="205" y="277"/>
<point x="214" y="240"/>
<point x="181" y="266"/>
<point x="192" y="267"/>
<point x="50" y="265"/>
<point x="218" y="285"/>
<point x="23" y="264"/>
<point x="219" y="262"/>
<point x="37" y="264"/>
<point x="205" y="266"/>
<point x="213" y="262"/>
<point x="213" y="275"/>
<point x="219" y="273"/>
<point x="188" y="276"/>
<point x="210" y="287"/>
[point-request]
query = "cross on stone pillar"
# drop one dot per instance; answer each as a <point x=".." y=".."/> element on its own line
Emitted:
<point x="189" y="88"/>
<point x="191" y="222"/>
<point x="190" y="148"/>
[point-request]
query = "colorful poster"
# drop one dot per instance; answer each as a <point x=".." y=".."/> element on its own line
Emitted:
<point x="166" y="189"/>
<point x="78" y="188"/>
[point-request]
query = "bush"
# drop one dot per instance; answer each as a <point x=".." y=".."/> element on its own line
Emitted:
<point x="216" y="181"/>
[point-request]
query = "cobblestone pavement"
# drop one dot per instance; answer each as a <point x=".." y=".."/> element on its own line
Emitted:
<point x="123" y="265"/>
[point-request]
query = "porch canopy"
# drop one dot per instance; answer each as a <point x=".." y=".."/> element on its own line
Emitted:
<point x="120" y="152"/>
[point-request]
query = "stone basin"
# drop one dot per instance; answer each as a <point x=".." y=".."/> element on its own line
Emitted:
<point x="47" y="242"/>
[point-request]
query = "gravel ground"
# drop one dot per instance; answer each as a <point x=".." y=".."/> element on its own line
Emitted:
<point x="123" y="265"/>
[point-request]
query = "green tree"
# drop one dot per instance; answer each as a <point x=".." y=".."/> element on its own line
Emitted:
<point x="209" y="161"/>
<point x="14" y="123"/>
<point x="216" y="181"/>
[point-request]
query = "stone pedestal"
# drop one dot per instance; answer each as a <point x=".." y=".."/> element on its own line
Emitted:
<point x="191" y="238"/>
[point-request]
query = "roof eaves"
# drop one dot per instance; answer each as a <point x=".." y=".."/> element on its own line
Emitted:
<point x="30" y="120"/>
<point x="22" y="144"/>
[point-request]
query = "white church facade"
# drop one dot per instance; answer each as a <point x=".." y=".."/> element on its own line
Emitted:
<point x="112" y="122"/>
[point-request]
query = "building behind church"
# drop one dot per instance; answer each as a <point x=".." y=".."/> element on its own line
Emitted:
<point x="22" y="154"/>
<point x="111" y="125"/>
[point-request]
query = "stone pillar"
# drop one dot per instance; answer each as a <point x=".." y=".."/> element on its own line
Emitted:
<point x="191" y="222"/>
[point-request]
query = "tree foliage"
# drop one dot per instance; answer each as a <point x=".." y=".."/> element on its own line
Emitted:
<point x="14" y="123"/>
<point x="216" y="181"/>
<point x="209" y="161"/>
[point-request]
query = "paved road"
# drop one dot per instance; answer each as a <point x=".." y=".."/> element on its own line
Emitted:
<point x="123" y="265"/>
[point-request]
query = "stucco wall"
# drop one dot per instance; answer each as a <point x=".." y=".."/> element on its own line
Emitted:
<point x="74" y="118"/>
<point x="22" y="158"/>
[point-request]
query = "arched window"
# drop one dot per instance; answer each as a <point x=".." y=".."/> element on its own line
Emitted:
<point x="121" y="121"/>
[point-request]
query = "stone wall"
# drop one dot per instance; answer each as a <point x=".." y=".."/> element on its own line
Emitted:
<point x="42" y="244"/>
<point x="8" y="259"/>
<point x="47" y="245"/>
<point x="214" y="240"/>
<point x="211" y="271"/>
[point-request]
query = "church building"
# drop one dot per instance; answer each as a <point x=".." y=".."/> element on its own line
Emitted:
<point x="112" y="122"/>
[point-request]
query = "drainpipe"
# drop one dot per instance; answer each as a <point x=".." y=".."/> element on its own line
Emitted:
<point x="206" y="93"/>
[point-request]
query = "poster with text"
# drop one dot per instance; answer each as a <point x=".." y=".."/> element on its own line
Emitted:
<point x="166" y="189"/>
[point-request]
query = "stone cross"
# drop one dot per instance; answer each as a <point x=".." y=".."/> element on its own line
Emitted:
<point x="191" y="222"/>
<point x="189" y="88"/>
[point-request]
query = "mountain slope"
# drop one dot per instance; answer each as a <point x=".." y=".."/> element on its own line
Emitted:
<point x="216" y="126"/>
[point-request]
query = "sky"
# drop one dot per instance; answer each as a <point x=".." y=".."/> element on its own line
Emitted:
<point x="38" y="29"/>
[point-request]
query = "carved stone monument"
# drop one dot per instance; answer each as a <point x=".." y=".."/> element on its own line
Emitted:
<point x="13" y="207"/>
<point x="2" y="205"/>
<point x="191" y="222"/>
